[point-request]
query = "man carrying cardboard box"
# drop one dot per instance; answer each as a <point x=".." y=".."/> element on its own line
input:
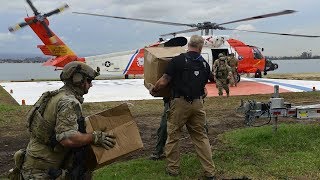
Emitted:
<point x="188" y="74"/>
<point x="58" y="137"/>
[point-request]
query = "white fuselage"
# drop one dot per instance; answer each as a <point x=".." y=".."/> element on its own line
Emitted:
<point x="118" y="64"/>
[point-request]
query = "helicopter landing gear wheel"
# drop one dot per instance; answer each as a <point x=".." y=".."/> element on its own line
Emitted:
<point x="258" y="74"/>
<point x="265" y="73"/>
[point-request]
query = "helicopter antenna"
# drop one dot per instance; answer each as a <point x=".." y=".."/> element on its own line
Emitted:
<point x="26" y="11"/>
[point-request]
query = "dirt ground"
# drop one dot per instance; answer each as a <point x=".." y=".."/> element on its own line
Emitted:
<point x="16" y="138"/>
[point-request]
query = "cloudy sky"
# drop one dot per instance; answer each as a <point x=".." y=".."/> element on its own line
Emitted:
<point x="89" y="35"/>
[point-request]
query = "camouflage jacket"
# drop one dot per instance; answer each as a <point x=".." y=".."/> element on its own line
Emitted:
<point x="59" y="121"/>
<point x="221" y="71"/>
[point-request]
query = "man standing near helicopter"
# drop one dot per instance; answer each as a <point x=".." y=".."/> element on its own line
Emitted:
<point x="222" y="74"/>
<point x="233" y="63"/>
<point x="188" y="73"/>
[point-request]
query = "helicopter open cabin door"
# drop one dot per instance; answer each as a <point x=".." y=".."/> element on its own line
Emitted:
<point x="216" y="52"/>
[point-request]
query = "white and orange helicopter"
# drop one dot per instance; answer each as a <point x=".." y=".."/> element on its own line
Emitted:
<point x="128" y="63"/>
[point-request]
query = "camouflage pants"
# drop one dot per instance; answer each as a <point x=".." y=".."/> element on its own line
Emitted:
<point x="233" y="80"/>
<point x="34" y="174"/>
<point x="222" y="84"/>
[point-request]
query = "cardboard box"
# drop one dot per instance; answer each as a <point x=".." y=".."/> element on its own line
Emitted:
<point x="118" y="121"/>
<point x="155" y="62"/>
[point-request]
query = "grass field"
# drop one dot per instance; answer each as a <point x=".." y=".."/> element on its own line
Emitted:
<point x="258" y="153"/>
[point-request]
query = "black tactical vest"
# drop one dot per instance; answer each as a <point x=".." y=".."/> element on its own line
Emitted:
<point x="191" y="81"/>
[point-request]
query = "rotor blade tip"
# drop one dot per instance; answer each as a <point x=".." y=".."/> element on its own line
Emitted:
<point x="10" y="29"/>
<point x="290" y="11"/>
<point x="66" y="6"/>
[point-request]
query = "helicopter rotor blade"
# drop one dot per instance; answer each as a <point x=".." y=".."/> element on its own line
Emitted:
<point x="33" y="8"/>
<point x="261" y="16"/>
<point x="282" y="34"/>
<point x="21" y="25"/>
<point x="138" y="19"/>
<point x="17" y="26"/>
<point x="56" y="11"/>
<point x="180" y="32"/>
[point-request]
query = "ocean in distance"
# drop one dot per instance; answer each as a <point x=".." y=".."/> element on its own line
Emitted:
<point x="28" y="71"/>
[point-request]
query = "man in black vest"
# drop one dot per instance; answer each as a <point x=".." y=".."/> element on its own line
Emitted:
<point x="188" y="74"/>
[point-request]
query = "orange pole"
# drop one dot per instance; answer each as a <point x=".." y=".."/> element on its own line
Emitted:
<point x="23" y="102"/>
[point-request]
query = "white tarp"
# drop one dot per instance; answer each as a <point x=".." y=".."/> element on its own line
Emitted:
<point x="127" y="89"/>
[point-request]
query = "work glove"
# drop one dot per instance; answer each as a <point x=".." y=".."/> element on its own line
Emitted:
<point x="103" y="139"/>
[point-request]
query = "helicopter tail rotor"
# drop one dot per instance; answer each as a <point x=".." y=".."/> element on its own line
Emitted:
<point x="38" y="17"/>
<point x="35" y="11"/>
<point x="57" y="11"/>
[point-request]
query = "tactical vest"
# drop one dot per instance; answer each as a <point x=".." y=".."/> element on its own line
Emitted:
<point x="41" y="127"/>
<point x="190" y="83"/>
<point x="222" y="72"/>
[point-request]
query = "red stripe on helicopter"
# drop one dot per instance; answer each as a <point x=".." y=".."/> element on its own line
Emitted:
<point x="135" y="65"/>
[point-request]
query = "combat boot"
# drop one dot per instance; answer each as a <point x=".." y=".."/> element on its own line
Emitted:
<point x="156" y="156"/>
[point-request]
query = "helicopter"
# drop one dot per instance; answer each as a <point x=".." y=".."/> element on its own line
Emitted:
<point x="128" y="63"/>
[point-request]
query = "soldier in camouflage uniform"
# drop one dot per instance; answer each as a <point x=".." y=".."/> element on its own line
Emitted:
<point x="233" y="63"/>
<point x="56" y="124"/>
<point x="215" y="61"/>
<point x="222" y="74"/>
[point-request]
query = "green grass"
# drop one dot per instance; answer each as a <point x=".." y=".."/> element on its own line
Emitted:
<point x="258" y="153"/>
<point x="292" y="152"/>
<point x="147" y="169"/>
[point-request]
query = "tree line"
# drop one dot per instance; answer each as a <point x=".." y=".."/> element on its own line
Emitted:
<point x="303" y="55"/>
<point x="25" y="60"/>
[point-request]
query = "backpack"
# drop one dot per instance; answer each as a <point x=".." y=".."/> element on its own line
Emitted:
<point x="193" y="77"/>
<point x="35" y="119"/>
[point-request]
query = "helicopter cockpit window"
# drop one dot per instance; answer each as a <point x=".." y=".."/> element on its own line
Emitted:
<point x="256" y="53"/>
